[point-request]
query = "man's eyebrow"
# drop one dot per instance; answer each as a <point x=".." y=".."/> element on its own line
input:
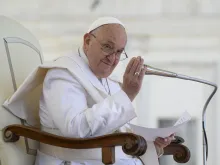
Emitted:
<point x="113" y="44"/>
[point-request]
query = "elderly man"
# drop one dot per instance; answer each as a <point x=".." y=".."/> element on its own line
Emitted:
<point x="82" y="101"/>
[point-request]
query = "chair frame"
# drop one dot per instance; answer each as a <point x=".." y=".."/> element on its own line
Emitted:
<point x="132" y="144"/>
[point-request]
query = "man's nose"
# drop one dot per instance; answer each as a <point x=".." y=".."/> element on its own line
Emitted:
<point x="112" y="57"/>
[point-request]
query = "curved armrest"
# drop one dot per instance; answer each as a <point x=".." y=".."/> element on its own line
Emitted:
<point x="132" y="144"/>
<point x="181" y="153"/>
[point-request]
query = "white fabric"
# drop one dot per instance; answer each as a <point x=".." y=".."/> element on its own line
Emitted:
<point x="73" y="107"/>
<point x="79" y="107"/>
<point x="75" y="113"/>
<point x="55" y="161"/>
<point x="18" y="103"/>
<point x="103" y="21"/>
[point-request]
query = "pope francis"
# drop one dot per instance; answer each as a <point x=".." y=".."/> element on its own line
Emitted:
<point x="78" y="99"/>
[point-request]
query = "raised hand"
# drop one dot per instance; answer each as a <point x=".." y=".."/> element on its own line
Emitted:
<point x="133" y="77"/>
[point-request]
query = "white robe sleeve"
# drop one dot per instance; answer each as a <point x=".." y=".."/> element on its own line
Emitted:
<point x="64" y="100"/>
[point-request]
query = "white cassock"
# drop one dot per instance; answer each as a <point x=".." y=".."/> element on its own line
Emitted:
<point x="75" y="103"/>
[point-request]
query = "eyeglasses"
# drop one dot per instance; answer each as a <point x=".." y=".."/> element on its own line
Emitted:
<point x="109" y="50"/>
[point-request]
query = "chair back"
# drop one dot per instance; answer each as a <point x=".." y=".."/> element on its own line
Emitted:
<point x="20" y="53"/>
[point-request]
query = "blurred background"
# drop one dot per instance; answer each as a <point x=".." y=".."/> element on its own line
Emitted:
<point x="177" y="35"/>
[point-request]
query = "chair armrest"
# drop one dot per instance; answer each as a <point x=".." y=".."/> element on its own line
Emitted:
<point x="132" y="144"/>
<point x="181" y="153"/>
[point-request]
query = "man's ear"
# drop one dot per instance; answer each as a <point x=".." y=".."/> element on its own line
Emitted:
<point x="86" y="39"/>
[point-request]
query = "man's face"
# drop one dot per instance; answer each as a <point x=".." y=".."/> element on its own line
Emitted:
<point x="103" y="48"/>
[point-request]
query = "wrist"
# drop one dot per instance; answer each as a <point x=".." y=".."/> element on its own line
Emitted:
<point x="159" y="150"/>
<point x="130" y="96"/>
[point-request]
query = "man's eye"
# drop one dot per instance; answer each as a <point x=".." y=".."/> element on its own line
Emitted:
<point x="120" y="51"/>
<point x="106" y="46"/>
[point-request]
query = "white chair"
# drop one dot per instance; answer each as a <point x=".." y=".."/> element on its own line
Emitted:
<point x="20" y="53"/>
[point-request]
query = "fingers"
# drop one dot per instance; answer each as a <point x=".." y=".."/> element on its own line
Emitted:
<point x="142" y="73"/>
<point x="139" y="66"/>
<point x="163" y="142"/>
<point x="135" y="65"/>
<point x="159" y="144"/>
<point x="132" y="82"/>
<point x="130" y="64"/>
<point x="172" y="136"/>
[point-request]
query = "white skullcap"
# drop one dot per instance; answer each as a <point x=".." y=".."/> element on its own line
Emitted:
<point x="103" y="21"/>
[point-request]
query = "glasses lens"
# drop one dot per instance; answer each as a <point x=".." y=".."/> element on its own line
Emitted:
<point x="123" y="56"/>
